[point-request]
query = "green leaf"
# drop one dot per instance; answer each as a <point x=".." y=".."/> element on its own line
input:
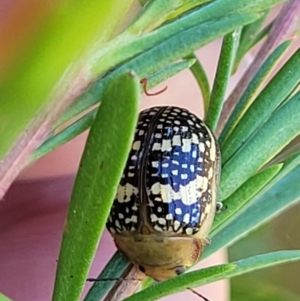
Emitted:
<point x="224" y="70"/>
<point x="202" y="80"/>
<point x="85" y="122"/>
<point x="4" y="298"/>
<point x="280" y="193"/>
<point x="279" y="88"/>
<point x="234" y="204"/>
<point x="251" y="91"/>
<point x="212" y="274"/>
<point x="126" y="46"/>
<point x="278" y="131"/>
<point x="64" y="136"/>
<point x="113" y="270"/>
<point x="248" y="36"/>
<point x="169" y="71"/>
<point x="162" y="55"/>
<point x="263" y="33"/>
<point x="96" y="183"/>
<point x="157" y="12"/>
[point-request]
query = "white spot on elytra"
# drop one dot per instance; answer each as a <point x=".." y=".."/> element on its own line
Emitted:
<point x="186" y="145"/>
<point x="169" y="216"/>
<point x="186" y="218"/>
<point x="202" y="147"/>
<point x="195" y="139"/>
<point x="174" y="172"/>
<point x="178" y="211"/>
<point x="155" y="188"/>
<point x="156" y="146"/>
<point x="210" y="172"/>
<point x="154" y="163"/>
<point x="166" y="145"/>
<point x="184" y="128"/>
<point x="117" y="224"/>
<point x="125" y="192"/>
<point x="176" y="225"/>
<point x="153" y="218"/>
<point x="162" y="221"/>
<point x="166" y="193"/>
<point x="136" y="145"/>
<point x="189" y="231"/>
<point x="176" y="141"/>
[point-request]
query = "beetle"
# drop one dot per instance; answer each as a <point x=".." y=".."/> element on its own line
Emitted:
<point x="166" y="200"/>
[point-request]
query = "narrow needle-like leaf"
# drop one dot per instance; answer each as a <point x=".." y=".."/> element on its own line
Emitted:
<point x="95" y="186"/>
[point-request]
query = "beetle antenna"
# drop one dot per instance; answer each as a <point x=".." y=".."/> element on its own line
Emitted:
<point x="144" y="82"/>
<point x="198" y="294"/>
<point x="111" y="279"/>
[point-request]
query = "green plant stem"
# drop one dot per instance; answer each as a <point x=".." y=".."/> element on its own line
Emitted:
<point x="202" y="80"/>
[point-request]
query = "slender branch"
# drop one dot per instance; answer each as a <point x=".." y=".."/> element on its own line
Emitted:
<point x="283" y="27"/>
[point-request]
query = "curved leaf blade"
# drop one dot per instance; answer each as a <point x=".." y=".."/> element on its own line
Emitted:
<point x="240" y="198"/>
<point x="224" y="70"/>
<point x="284" y="188"/>
<point x="279" y="88"/>
<point x="162" y="55"/>
<point x="263" y="146"/>
<point x="251" y="91"/>
<point x="95" y="186"/>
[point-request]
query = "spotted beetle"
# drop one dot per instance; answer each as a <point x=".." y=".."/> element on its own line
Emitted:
<point x="166" y="199"/>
